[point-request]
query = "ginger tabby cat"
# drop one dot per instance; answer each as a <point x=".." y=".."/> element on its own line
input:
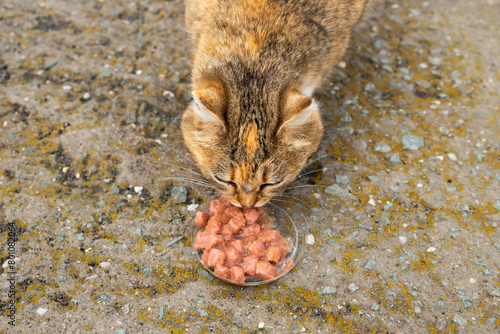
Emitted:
<point x="253" y="123"/>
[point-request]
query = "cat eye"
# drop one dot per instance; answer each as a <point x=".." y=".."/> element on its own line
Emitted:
<point x="229" y="183"/>
<point x="264" y="185"/>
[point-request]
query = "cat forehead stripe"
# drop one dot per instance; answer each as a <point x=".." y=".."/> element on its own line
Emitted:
<point x="251" y="140"/>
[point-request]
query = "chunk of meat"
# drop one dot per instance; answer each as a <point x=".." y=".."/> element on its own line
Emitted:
<point x="222" y="217"/>
<point x="256" y="248"/>
<point x="214" y="240"/>
<point x="216" y="257"/>
<point x="204" y="256"/>
<point x="253" y="229"/>
<point x="199" y="240"/>
<point x="237" y="274"/>
<point x="265" y="270"/>
<point x="236" y="224"/>
<point x="283" y="244"/>
<point x="234" y="211"/>
<point x="201" y="219"/>
<point x="216" y="207"/>
<point x="238" y="244"/>
<point x="227" y="232"/>
<point x="252" y="214"/>
<point x="233" y="255"/>
<point x="222" y="271"/>
<point x="249" y="264"/>
<point x="273" y="254"/>
<point x="248" y="240"/>
<point x="225" y="200"/>
<point x="269" y="236"/>
<point x="213" y="227"/>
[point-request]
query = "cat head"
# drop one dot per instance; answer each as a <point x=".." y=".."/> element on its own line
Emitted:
<point x="251" y="143"/>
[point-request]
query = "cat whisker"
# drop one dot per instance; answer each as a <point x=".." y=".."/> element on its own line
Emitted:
<point x="174" y="165"/>
<point x="307" y="185"/>
<point x="159" y="142"/>
<point x="313" y="161"/>
<point x="291" y="197"/>
<point x="197" y="182"/>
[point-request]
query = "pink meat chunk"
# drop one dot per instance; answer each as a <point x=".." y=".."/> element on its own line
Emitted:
<point x="213" y="227"/>
<point x="250" y="264"/>
<point x="253" y="229"/>
<point x="227" y="232"/>
<point x="214" y="240"/>
<point x="199" y="240"/>
<point x="256" y="248"/>
<point x="237" y="274"/>
<point x="269" y="236"/>
<point x="201" y="219"/>
<point x="252" y="214"/>
<point x="233" y="255"/>
<point x="265" y="270"/>
<point x="216" y="257"/>
<point x="236" y="224"/>
<point x="222" y="271"/>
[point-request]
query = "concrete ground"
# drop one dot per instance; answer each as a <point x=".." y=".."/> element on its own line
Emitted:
<point x="404" y="200"/>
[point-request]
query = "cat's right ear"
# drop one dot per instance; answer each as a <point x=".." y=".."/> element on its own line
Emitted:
<point x="207" y="105"/>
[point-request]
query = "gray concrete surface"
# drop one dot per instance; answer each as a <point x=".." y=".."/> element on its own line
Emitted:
<point x="404" y="199"/>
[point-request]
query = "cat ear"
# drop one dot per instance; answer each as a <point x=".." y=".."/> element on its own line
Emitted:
<point x="207" y="104"/>
<point x="297" y="110"/>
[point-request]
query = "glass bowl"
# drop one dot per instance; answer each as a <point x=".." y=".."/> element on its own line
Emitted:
<point x="288" y="220"/>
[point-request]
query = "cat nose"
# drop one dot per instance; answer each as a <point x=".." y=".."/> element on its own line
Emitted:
<point x="248" y="201"/>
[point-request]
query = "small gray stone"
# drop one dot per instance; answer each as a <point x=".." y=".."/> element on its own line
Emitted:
<point x="365" y="227"/>
<point x="412" y="143"/>
<point x="491" y="320"/>
<point x="346" y="118"/>
<point x="80" y="237"/>
<point x="369" y="87"/>
<point x="374" y="307"/>
<point x="441" y="325"/>
<point x="444" y="130"/>
<point x="328" y="232"/>
<point x="353" y="234"/>
<point x="393" y="158"/>
<point x="436" y="61"/>
<point x="104" y="298"/>
<point x="382" y="147"/>
<point x="496" y="205"/>
<point x="327" y="290"/>
<point x="137" y="232"/>
<point x="495" y="293"/>
<point x="369" y="265"/>
<point x="236" y="322"/>
<point x="121" y="331"/>
<point x="459" y="320"/>
<point x="497" y="177"/>
<point x="179" y="194"/>
<point x="202" y="312"/>
<point x="461" y="292"/>
<point x="341" y="179"/>
<point x="205" y="274"/>
<point x="467" y="303"/>
<point x="353" y="287"/>
<point x="335" y="190"/>
<point x="373" y="178"/>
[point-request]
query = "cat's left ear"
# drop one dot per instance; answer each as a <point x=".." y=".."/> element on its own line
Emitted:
<point x="297" y="110"/>
<point x="208" y="104"/>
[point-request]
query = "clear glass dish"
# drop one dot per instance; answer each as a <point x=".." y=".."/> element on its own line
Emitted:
<point x="288" y="220"/>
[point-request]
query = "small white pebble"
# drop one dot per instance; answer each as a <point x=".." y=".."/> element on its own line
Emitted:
<point x="420" y="185"/>
<point x="41" y="311"/>
<point x="417" y="309"/>
<point x="139" y="72"/>
<point x="424" y="65"/>
<point x="261" y="325"/>
<point x="316" y="195"/>
<point x="472" y="280"/>
<point x="192" y="207"/>
<point x="104" y="265"/>
<point x="77" y="175"/>
<point x="138" y="189"/>
<point x="65" y="169"/>
<point x="168" y="94"/>
<point x="431" y="249"/>
<point x="440" y="157"/>
<point x="66" y="87"/>
<point x="403" y="239"/>
<point x="342" y="64"/>
<point x="310" y="239"/>
<point x="86" y="96"/>
<point x="452" y="156"/>
<point x="6" y="263"/>
<point x="91" y="277"/>
<point x="371" y="202"/>
<point x="40" y="72"/>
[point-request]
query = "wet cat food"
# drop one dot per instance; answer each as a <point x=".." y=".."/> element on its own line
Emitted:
<point x="240" y="243"/>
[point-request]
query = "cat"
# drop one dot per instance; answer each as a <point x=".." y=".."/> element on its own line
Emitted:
<point x="253" y="122"/>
